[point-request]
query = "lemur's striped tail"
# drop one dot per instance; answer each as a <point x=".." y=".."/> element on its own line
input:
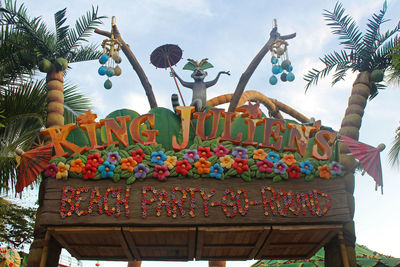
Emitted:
<point x="175" y="101"/>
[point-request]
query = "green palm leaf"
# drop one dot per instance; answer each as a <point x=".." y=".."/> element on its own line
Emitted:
<point x="75" y="103"/>
<point x="61" y="31"/>
<point x="394" y="153"/>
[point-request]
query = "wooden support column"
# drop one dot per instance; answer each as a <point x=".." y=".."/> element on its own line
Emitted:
<point x="216" y="263"/>
<point x="134" y="264"/>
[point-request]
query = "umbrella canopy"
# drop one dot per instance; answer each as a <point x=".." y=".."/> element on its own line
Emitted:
<point x="9" y="258"/>
<point x="166" y="55"/>
<point x="32" y="163"/>
<point x="368" y="156"/>
<point x="364" y="257"/>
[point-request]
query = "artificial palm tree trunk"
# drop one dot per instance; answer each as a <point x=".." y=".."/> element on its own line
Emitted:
<point x="55" y="118"/>
<point x="350" y="127"/>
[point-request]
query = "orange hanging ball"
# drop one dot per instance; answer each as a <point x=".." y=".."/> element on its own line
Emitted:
<point x="97" y="264"/>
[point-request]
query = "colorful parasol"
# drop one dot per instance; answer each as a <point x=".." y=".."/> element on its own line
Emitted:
<point x="165" y="56"/>
<point x="9" y="257"/>
<point x="32" y="163"/>
<point x="368" y="156"/>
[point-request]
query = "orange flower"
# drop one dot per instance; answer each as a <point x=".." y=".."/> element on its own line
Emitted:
<point x="203" y="166"/>
<point x="128" y="164"/>
<point x="259" y="154"/>
<point x="289" y="159"/>
<point x="77" y="166"/>
<point x="324" y="171"/>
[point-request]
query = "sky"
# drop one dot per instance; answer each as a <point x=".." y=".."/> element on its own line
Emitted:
<point x="230" y="33"/>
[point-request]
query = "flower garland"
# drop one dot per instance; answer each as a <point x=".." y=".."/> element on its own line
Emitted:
<point x="202" y="159"/>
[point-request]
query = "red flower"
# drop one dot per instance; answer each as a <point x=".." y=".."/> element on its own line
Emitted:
<point x="294" y="172"/>
<point x="95" y="160"/>
<point x="138" y="155"/>
<point x="183" y="166"/>
<point x="89" y="171"/>
<point x="240" y="165"/>
<point x="160" y="172"/>
<point x="204" y="152"/>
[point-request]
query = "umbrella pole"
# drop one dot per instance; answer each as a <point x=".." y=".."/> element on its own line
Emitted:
<point x="176" y="82"/>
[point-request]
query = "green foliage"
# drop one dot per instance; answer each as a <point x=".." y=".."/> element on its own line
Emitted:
<point x="16" y="224"/>
<point x="394" y="153"/>
<point x="362" y="51"/>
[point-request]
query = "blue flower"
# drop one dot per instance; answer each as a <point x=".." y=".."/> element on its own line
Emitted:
<point x="306" y="167"/>
<point x="280" y="167"/>
<point x="216" y="171"/>
<point x="106" y="170"/>
<point x="113" y="157"/>
<point x="273" y="157"/>
<point x="158" y="157"/>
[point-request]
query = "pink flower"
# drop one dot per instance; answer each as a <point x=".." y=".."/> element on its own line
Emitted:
<point x="160" y="172"/>
<point x="221" y="151"/>
<point x="51" y="170"/>
<point x="265" y="166"/>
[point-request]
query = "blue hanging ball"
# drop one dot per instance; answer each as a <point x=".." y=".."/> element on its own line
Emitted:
<point x="110" y="72"/>
<point x="274" y="60"/>
<point x="280" y="69"/>
<point x="290" y="77"/>
<point x="275" y="69"/>
<point x="273" y="80"/>
<point x="284" y="77"/>
<point x="118" y="60"/>
<point x="107" y="84"/>
<point x="102" y="70"/>
<point x="285" y="64"/>
<point x="290" y="68"/>
<point x="103" y="59"/>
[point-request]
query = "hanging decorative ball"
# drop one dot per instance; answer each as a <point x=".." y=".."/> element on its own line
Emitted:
<point x="97" y="264"/>
<point x="280" y="69"/>
<point x="275" y="69"/>
<point x="115" y="55"/>
<point x="118" y="60"/>
<point x="274" y="60"/>
<point x="290" y="68"/>
<point x="61" y="64"/>
<point x="377" y="76"/>
<point x="285" y="64"/>
<point x="117" y="71"/>
<point x="107" y="84"/>
<point x="102" y="70"/>
<point x="290" y="77"/>
<point x="45" y="65"/>
<point x="284" y="77"/>
<point x="273" y="80"/>
<point x="103" y="59"/>
<point x="110" y="72"/>
<point x="280" y="51"/>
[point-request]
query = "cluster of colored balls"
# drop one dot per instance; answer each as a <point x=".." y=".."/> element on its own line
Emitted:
<point x="107" y="69"/>
<point x="285" y="69"/>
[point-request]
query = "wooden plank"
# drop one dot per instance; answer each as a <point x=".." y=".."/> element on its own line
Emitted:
<point x="338" y="211"/>
<point x="64" y="244"/>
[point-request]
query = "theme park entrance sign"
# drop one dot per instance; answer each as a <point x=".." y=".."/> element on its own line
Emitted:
<point x="205" y="185"/>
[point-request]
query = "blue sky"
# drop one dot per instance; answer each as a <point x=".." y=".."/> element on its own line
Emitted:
<point x="230" y="34"/>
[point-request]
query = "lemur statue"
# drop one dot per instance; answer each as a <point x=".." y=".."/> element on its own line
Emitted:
<point x="199" y="87"/>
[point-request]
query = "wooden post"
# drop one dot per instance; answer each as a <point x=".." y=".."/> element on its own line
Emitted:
<point x="216" y="263"/>
<point x="134" y="264"/>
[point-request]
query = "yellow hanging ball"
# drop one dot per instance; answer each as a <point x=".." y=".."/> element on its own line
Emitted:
<point x="115" y="55"/>
<point x="117" y="71"/>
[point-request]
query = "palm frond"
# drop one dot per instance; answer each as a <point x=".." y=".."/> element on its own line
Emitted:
<point x="84" y="26"/>
<point x="61" y="31"/>
<point x="84" y="53"/>
<point x="75" y="103"/>
<point x="345" y="27"/>
<point x="372" y="35"/>
<point x="394" y="152"/>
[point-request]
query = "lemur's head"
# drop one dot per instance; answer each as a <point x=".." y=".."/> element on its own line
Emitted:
<point x="198" y="68"/>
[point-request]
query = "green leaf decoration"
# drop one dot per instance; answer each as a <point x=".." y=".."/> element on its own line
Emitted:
<point x="131" y="180"/>
<point x="125" y="174"/>
<point x="206" y="65"/>
<point x="97" y="176"/>
<point x="277" y="179"/>
<point x="309" y="177"/>
<point x="246" y="176"/>
<point x="124" y="154"/>
<point x="116" y="177"/>
<point x="189" y="66"/>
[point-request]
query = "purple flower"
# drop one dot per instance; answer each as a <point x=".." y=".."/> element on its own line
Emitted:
<point x="280" y="167"/>
<point x="221" y="151"/>
<point x="107" y="169"/>
<point x="141" y="171"/>
<point x="265" y="165"/>
<point x="51" y="170"/>
<point x="306" y="167"/>
<point x="216" y="171"/>
<point x="335" y="167"/>
<point x="191" y="155"/>
<point x="113" y="157"/>
<point x="240" y="152"/>
<point x="273" y="157"/>
<point x="158" y="157"/>
<point x="160" y="172"/>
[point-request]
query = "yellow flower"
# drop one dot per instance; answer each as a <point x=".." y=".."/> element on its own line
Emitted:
<point x="289" y="159"/>
<point x="226" y="162"/>
<point x="259" y="154"/>
<point x="324" y="171"/>
<point x="170" y="162"/>
<point x="62" y="170"/>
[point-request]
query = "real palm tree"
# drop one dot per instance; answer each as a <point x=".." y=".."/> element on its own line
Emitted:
<point x="367" y="54"/>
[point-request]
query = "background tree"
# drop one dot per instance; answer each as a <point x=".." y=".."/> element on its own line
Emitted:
<point x="369" y="54"/>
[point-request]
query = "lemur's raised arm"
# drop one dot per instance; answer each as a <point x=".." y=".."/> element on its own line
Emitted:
<point x="213" y="82"/>
<point x="185" y="84"/>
